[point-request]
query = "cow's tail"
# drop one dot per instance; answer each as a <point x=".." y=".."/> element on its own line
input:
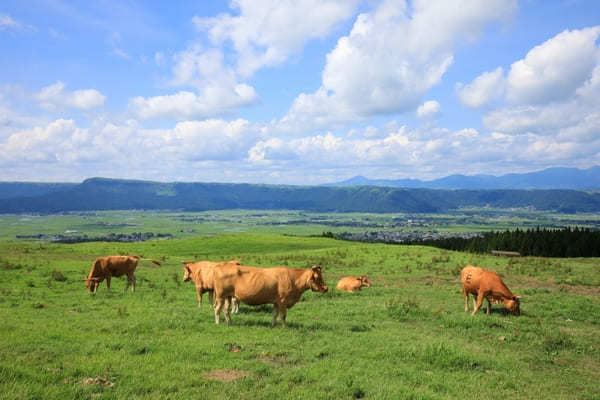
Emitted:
<point x="153" y="261"/>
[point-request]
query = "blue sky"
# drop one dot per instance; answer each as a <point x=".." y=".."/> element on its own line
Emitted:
<point x="296" y="92"/>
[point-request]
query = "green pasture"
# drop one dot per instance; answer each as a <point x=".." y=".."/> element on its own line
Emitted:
<point x="290" y="222"/>
<point x="405" y="337"/>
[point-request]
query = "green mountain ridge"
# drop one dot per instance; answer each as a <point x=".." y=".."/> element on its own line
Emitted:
<point x="120" y="194"/>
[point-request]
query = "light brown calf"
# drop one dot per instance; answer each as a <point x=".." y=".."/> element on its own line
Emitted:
<point x="352" y="283"/>
<point x="279" y="286"/>
<point x="482" y="283"/>
<point x="202" y="274"/>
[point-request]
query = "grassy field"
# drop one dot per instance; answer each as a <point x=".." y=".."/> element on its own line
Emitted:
<point x="184" y="225"/>
<point x="405" y="337"/>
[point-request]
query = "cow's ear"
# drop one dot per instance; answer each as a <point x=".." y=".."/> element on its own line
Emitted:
<point x="516" y="297"/>
<point x="316" y="268"/>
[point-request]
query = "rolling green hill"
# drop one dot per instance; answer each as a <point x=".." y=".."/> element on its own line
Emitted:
<point x="116" y="194"/>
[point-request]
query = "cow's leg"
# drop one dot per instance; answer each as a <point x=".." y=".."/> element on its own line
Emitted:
<point x="211" y="296"/>
<point x="474" y="301"/>
<point x="466" y="297"/>
<point x="108" y="283"/>
<point x="282" y="314"/>
<point x="489" y="307"/>
<point x="226" y="310"/>
<point x="235" y="305"/>
<point x="275" y="312"/>
<point x="130" y="282"/>
<point x="480" y="296"/>
<point x="199" y="295"/>
<point x="218" y="305"/>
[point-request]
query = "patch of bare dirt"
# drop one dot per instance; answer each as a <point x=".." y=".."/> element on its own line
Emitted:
<point x="561" y="287"/>
<point x="98" y="381"/>
<point x="225" y="375"/>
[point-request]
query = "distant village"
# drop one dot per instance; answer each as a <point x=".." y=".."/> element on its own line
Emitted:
<point x="72" y="237"/>
<point x="403" y="237"/>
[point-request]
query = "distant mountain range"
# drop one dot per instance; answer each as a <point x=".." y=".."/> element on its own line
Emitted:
<point x="118" y="194"/>
<point x="551" y="178"/>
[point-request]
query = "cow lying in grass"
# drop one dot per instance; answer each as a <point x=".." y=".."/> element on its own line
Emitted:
<point x="202" y="274"/>
<point x="109" y="266"/>
<point x="352" y="283"/>
<point x="486" y="284"/>
<point x="279" y="286"/>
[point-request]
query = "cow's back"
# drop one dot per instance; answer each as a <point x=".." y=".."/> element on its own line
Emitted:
<point x="475" y="278"/>
<point x="120" y="265"/>
<point x="471" y="278"/>
<point x="252" y="285"/>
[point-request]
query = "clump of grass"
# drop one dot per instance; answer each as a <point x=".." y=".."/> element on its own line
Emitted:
<point x="7" y="265"/>
<point x="555" y="342"/>
<point x="403" y="309"/>
<point x="122" y="312"/>
<point x="58" y="276"/>
<point x="175" y="277"/>
<point x="442" y="355"/>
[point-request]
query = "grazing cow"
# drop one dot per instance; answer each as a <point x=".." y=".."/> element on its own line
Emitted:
<point x="279" y="286"/>
<point x="486" y="284"/>
<point x="201" y="273"/>
<point x="352" y="283"/>
<point x="109" y="266"/>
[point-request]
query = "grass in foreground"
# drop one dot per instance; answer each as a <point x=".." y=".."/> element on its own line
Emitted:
<point x="405" y="337"/>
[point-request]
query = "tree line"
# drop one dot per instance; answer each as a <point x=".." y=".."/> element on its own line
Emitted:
<point x="566" y="242"/>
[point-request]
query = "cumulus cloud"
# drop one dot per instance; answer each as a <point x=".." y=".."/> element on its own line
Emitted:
<point x="218" y="90"/>
<point x="54" y="142"/>
<point x="554" y="69"/>
<point x="183" y="105"/>
<point x="554" y="91"/>
<point x="483" y="89"/>
<point x="267" y="32"/>
<point x="428" y="109"/>
<point x="55" y="96"/>
<point x="368" y="74"/>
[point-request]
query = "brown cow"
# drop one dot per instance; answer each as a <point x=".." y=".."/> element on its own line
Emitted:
<point x="201" y="273"/>
<point x="352" y="283"/>
<point x="109" y="266"/>
<point x="482" y="284"/>
<point x="279" y="286"/>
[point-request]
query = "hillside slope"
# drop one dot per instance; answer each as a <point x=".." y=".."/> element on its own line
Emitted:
<point x="114" y="194"/>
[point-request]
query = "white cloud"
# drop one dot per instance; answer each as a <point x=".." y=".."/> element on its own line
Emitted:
<point x="483" y="89"/>
<point x="368" y="74"/>
<point x="183" y="105"/>
<point x="218" y="90"/>
<point x="554" y="91"/>
<point x="57" y="141"/>
<point x="554" y="69"/>
<point x="8" y="23"/>
<point x="55" y="96"/>
<point x="267" y="32"/>
<point x="428" y="109"/>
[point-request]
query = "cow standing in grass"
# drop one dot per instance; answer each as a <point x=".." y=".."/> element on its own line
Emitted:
<point x="279" y="286"/>
<point x="109" y="266"/>
<point x="352" y="283"/>
<point x="202" y="274"/>
<point x="482" y="283"/>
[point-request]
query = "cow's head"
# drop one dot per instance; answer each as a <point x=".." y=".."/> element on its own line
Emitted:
<point x="187" y="273"/>
<point x="364" y="281"/>
<point x="315" y="281"/>
<point x="513" y="304"/>
<point x="92" y="284"/>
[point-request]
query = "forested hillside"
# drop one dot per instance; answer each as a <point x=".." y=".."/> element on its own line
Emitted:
<point x="112" y="194"/>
